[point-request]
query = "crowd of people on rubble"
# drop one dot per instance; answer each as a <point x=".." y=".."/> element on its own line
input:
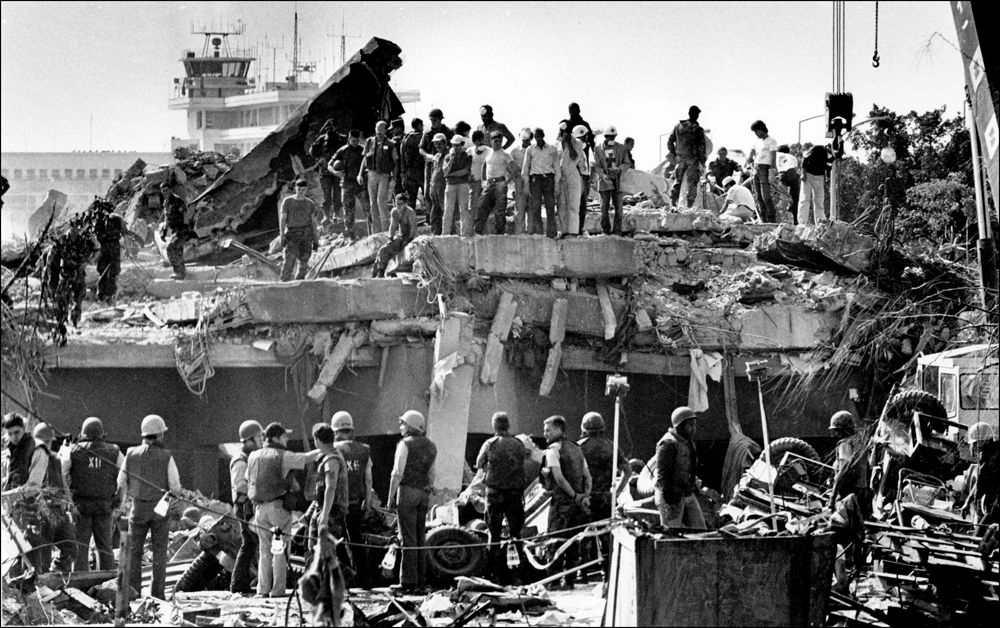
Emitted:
<point x="70" y="498"/>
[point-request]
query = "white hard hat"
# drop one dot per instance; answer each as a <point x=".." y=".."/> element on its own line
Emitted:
<point x="611" y="130"/>
<point x="981" y="432"/>
<point x="526" y="134"/>
<point x="414" y="419"/>
<point x="457" y="139"/>
<point x="727" y="181"/>
<point x="249" y="429"/>
<point x="153" y="424"/>
<point x="440" y="137"/>
<point x="342" y="421"/>
<point x="579" y="131"/>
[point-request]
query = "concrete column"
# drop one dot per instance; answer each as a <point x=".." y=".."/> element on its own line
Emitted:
<point x="451" y="395"/>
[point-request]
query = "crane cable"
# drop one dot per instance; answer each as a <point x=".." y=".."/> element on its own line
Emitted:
<point x="875" y="59"/>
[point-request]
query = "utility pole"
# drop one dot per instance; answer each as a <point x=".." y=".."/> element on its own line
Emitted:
<point x="988" y="280"/>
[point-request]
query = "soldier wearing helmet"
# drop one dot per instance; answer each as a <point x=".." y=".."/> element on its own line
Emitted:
<point x="252" y="437"/>
<point x="358" y="457"/>
<point x="850" y="469"/>
<point x="149" y="472"/>
<point x="676" y="473"/>
<point x="568" y="480"/>
<point x="91" y="470"/>
<point x="410" y="486"/>
<point x="501" y="459"/>
<point x="599" y="453"/>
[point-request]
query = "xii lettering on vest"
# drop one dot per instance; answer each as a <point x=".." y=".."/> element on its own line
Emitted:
<point x="94" y="462"/>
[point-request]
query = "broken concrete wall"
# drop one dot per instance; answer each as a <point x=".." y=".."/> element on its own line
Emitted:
<point x="356" y="96"/>
<point x="329" y="300"/>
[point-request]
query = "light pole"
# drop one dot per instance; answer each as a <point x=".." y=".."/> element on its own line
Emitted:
<point x="805" y="120"/>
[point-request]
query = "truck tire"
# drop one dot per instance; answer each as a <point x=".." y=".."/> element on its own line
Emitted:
<point x="791" y="444"/>
<point x="901" y="406"/>
<point x="200" y="573"/>
<point x="647" y="479"/>
<point x="455" y="551"/>
<point x="221" y="581"/>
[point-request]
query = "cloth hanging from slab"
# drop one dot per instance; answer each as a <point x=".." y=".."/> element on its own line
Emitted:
<point x="702" y="366"/>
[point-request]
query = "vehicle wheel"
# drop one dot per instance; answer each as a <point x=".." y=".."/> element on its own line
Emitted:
<point x="452" y="555"/>
<point x="901" y="406"/>
<point x="200" y="573"/>
<point x="221" y="581"/>
<point x="647" y="481"/>
<point x="791" y="444"/>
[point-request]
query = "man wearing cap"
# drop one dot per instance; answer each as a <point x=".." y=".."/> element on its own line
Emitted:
<point x="412" y="164"/>
<point x="568" y="480"/>
<point x="298" y="224"/>
<point x="501" y="458"/>
<point x="676" y="473"/>
<point x="252" y="436"/>
<point x="850" y="468"/>
<point x="540" y="175"/>
<point x="379" y="163"/>
<point x="520" y="187"/>
<point x="499" y="169"/>
<point x="175" y="225"/>
<point x="56" y="529"/>
<point x="489" y="126"/>
<point x="323" y="150"/>
<point x="610" y="163"/>
<point x="723" y="167"/>
<point x="90" y="468"/>
<point x="402" y="230"/>
<point x="689" y="151"/>
<point x="351" y="157"/>
<point x="437" y="184"/>
<point x="148" y="474"/>
<point x="599" y="452"/>
<point x="267" y="485"/>
<point x="739" y="201"/>
<point x="568" y="199"/>
<point x="457" y="166"/>
<point x="428" y="145"/>
<point x="410" y="486"/>
<point x="20" y="449"/>
<point x="358" y="458"/>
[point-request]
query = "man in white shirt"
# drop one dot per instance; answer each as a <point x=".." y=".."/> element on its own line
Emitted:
<point x="739" y="201"/>
<point x="788" y="174"/>
<point x="541" y="175"/>
<point x="764" y="157"/>
<point x="520" y="188"/>
<point x="498" y="170"/>
<point x="478" y="153"/>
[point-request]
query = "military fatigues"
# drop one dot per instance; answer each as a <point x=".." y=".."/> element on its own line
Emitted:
<point x="20" y="462"/>
<point x="299" y="236"/>
<point x="357" y="456"/>
<point x="56" y="529"/>
<point x="110" y="227"/>
<point x="564" y="511"/>
<point x="599" y="454"/>
<point x="176" y="225"/>
<point x="503" y="458"/>
<point x="412" y="166"/>
<point x="413" y="502"/>
<point x="242" y="577"/>
<point x="323" y="150"/>
<point x="676" y="467"/>
<point x="402" y="230"/>
<point x="93" y="481"/>
<point x="67" y="270"/>
<point x="851" y="474"/>
<point x="687" y="141"/>
<point x="150" y="462"/>
<point x="354" y="192"/>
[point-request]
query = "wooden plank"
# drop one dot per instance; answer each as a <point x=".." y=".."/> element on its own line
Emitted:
<point x="610" y="322"/>
<point x="551" y="370"/>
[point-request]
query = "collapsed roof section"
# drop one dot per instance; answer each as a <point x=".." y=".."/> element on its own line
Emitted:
<point x="356" y="96"/>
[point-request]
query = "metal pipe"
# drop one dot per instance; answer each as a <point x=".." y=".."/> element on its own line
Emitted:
<point x="988" y="280"/>
<point x="805" y="120"/>
<point x="767" y="446"/>
<point x="614" y="457"/>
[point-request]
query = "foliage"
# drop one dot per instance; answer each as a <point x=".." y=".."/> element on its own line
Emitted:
<point x="939" y="205"/>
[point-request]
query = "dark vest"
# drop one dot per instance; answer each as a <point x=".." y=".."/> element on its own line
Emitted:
<point x="356" y="455"/>
<point x="148" y="461"/>
<point x="505" y="463"/>
<point x="380" y="155"/>
<point x="53" y="470"/>
<point x="93" y="472"/>
<point x="20" y="461"/>
<point x="571" y="463"/>
<point x="335" y="460"/>
<point x="265" y="481"/>
<point x="682" y="477"/>
<point x="599" y="454"/>
<point x="421" y="453"/>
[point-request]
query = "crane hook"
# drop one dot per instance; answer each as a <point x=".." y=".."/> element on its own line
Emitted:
<point x="875" y="60"/>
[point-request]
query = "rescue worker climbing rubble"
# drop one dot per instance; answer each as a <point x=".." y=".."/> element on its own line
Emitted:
<point x="568" y="480"/>
<point x="358" y="457"/>
<point x="410" y="487"/>
<point x="676" y="473"/>
<point x="323" y="150"/>
<point x="176" y="226"/>
<point x="501" y="458"/>
<point x="347" y="161"/>
<point x="688" y="150"/>
<point x="252" y="437"/>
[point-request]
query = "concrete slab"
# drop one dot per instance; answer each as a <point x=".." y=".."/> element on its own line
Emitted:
<point x="785" y="327"/>
<point x="330" y="300"/>
<point x="659" y="221"/>
<point x="363" y="252"/>
<point x="170" y="288"/>
<point x="583" y="312"/>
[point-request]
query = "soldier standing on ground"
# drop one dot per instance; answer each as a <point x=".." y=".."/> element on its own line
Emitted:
<point x="252" y="436"/>
<point x="502" y="459"/>
<point x="676" y="473"/>
<point x="568" y="480"/>
<point x="298" y="224"/>
<point x="331" y="493"/>
<point x="175" y="224"/>
<point x="599" y="452"/>
<point x="850" y="468"/>
<point x="359" y="490"/>
<point x="410" y="487"/>
<point x="688" y="150"/>
<point x="91" y="472"/>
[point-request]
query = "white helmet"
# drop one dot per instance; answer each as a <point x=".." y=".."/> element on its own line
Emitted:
<point x="414" y="419"/>
<point x="579" y="131"/>
<point x="611" y="130"/>
<point x="342" y="421"/>
<point x="152" y="425"/>
<point x="981" y="432"/>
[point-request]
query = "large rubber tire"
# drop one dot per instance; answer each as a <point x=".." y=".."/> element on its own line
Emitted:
<point x="200" y="573"/>
<point x="647" y="479"/>
<point x="220" y="582"/>
<point x="901" y="406"/>
<point x="447" y="557"/>
<point x="791" y="444"/>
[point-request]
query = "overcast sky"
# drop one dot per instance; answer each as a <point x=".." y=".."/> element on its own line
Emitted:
<point x="638" y="66"/>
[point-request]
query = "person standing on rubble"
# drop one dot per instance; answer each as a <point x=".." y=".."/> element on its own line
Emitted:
<point x="91" y="472"/>
<point x="501" y="458"/>
<point x="149" y="475"/>
<point x="396" y="132"/>
<point x="676" y="473"/>
<point x="816" y="164"/>
<point x="580" y="132"/>
<point x="520" y="188"/>
<point x="788" y="174"/>
<point x="175" y="224"/>
<point x="850" y="468"/>
<point x="410" y="486"/>
<point x="267" y="486"/>
<point x="567" y="478"/>
<point x="20" y="450"/>
<point x="252" y="436"/>
<point x="411" y="163"/>
<point x="764" y="158"/>
<point x="489" y="126"/>
<point x="438" y="185"/>
<point x="323" y="150"/>
<point x="499" y="169"/>
<point x="298" y="224"/>
<point x="457" y="166"/>
<point x="723" y="167"/>
<point x="358" y="457"/>
<point x="109" y="228"/>
<point x="402" y="230"/>
<point x="478" y="152"/>
<point x="428" y="146"/>
<point x="610" y="163"/>
<point x="380" y="162"/>
<point x="350" y="158"/>
<point x="599" y="452"/>
<point x="629" y="147"/>
<point x="687" y="148"/>
<point x="540" y="175"/>
<point x="568" y="197"/>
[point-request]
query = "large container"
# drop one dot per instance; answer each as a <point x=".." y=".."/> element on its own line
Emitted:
<point x="757" y="581"/>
